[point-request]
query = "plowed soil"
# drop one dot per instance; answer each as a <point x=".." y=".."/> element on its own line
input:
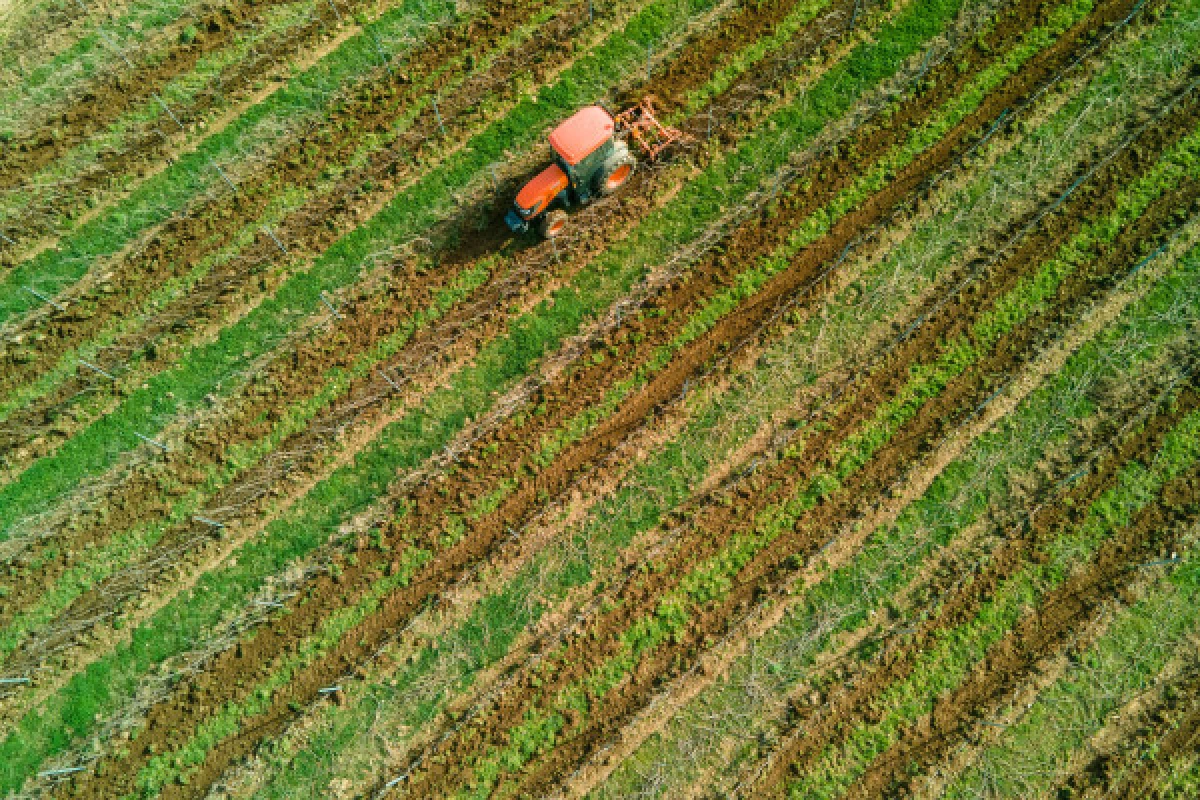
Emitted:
<point x="181" y="244"/>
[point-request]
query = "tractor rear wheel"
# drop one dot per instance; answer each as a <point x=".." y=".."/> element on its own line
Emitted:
<point x="552" y="223"/>
<point x="615" y="173"/>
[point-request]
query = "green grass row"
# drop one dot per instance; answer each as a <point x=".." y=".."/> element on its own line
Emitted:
<point x="712" y="579"/>
<point x="410" y="441"/>
<point x="1030" y="756"/>
<point x="126" y="546"/>
<point x="490" y="770"/>
<point x="344" y="750"/>
<point x="157" y="199"/>
<point x="1181" y="778"/>
<point x="284" y="200"/>
<point x="122" y="548"/>
<point x="950" y="659"/>
<point x="975" y="485"/>
<point x="687" y="224"/>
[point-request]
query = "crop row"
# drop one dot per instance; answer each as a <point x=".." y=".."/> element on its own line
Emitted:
<point x="1136" y="647"/>
<point x="62" y="185"/>
<point x="217" y="280"/>
<point x="709" y="582"/>
<point x="844" y="601"/>
<point x="202" y="370"/>
<point x="307" y="96"/>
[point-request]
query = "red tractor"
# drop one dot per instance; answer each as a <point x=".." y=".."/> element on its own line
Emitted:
<point x="591" y="158"/>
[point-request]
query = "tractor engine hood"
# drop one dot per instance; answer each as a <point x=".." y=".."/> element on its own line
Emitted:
<point x="541" y="189"/>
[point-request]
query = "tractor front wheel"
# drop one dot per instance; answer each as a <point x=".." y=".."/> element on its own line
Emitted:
<point x="552" y="223"/>
<point x="615" y="173"/>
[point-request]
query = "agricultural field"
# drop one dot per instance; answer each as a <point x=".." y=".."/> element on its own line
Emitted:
<point x="850" y="449"/>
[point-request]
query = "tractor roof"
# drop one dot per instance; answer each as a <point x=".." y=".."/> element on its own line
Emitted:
<point x="581" y="133"/>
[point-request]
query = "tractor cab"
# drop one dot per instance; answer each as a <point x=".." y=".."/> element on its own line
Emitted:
<point x="588" y="161"/>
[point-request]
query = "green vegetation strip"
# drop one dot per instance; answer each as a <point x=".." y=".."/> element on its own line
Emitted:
<point x="749" y="282"/>
<point x="712" y="580"/>
<point x="280" y="22"/>
<point x="1181" y="780"/>
<point x="1031" y="755"/>
<point x="411" y="440"/>
<point x="955" y="651"/>
<point x="160" y="197"/>
<point x="966" y="491"/>
<point x="412" y="212"/>
<point x="125" y="546"/>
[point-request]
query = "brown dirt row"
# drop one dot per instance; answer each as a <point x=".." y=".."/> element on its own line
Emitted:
<point x="243" y="671"/>
<point x="851" y="706"/>
<point x="182" y="243"/>
<point x="105" y="597"/>
<point x="849" y="703"/>
<point x="152" y="145"/>
<point x="721" y="521"/>
<point x="95" y="105"/>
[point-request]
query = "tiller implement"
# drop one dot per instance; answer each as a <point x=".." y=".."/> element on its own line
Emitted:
<point x="592" y="159"/>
